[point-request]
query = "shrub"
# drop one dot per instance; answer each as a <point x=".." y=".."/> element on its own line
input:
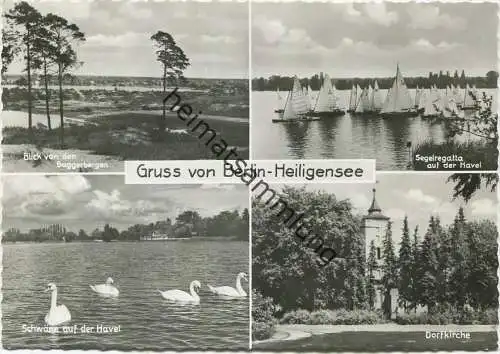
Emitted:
<point x="297" y="317"/>
<point x="263" y="330"/>
<point x="333" y="317"/>
<point x="263" y="309"/>
<point x="449" y="316"/>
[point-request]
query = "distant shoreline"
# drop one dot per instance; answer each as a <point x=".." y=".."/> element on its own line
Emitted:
<point x="204" y="238"/>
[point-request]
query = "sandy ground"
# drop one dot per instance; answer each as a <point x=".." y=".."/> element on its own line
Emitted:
<point x="299" y="331"/>
<point x="159" y="113"/>
<point x="58" y="161"/>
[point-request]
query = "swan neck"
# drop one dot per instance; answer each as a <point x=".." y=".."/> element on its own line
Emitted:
<point x="53" y="299"/>
<point x="193" y="292"/>
<point x="239" y="288"/>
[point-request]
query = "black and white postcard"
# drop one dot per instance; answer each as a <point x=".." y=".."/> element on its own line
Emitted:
<point x="412" y="85"/>
<point x="90" y="263"/>
<point x="89" y="84"/>
<point x="408" y="264"/>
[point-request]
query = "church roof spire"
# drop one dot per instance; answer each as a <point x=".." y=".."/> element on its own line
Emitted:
<point x="374" y="207"/>
<point x="375" y="212"/>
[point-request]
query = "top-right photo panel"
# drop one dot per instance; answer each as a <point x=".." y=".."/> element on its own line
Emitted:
<point x="412" y="85"/>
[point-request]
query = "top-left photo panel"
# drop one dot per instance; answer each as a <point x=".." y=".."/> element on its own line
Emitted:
<point x="89" y="85"/>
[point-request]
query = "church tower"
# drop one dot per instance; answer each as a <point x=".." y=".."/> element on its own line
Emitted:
<point x="374" y="228"/>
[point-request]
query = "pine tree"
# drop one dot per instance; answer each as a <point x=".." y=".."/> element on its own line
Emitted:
<point x="414" y="268"/>
<point x="428" y="269"/>
<point x="443" y="255"/>
<point x="458" y="262"/>
<point x="389" y="265"/>
<point x="370" y="273"/>
<point x="405" y="267"/>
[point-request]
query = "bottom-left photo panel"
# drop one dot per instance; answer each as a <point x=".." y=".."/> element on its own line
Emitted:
<point x="92" y="263"/>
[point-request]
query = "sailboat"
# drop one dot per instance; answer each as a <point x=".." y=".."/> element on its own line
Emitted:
<point x="310" y="97"/>
<point x="422" y="100"/>
<point x="468" y="102"/>
<point x="398" y="102"/>
<point x="365" y="102"/>
<point x="296" y="105"/>
<point x="376" y="98"/>
<point x="352" y="100"/>
<point x="326" y="102"/>
<point x="279" y="103"/>
<point x="418" y="95"/>
<point x="431" y="109"/>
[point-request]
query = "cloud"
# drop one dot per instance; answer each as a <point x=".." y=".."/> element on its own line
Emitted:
<point x="483" y="207"/>
<point x="112" y="205"/>
<point x="378" y="14"/>
<point x="125" y="40"/>
<point x="219" y="39"/>
<point x="271" y="30"/>
<point x="418" y="196"/>
<point x="430" y="17"/>
<point x="24" y="186"/>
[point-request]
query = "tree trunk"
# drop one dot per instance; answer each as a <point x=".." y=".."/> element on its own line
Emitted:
<point x="61" y="105"/>
<point x="164" y="114"/>
<point x="47" y="109"/>
<point x="28" y="70"/>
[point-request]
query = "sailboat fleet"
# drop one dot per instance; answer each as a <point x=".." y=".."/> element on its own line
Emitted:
<point x="429" y="103"/>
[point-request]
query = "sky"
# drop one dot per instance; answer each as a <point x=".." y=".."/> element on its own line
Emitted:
<point x="87" y="202"/>
<point x="416" y="195"/>
<point x="213" y="35"/>
<point x="368" y="40"/>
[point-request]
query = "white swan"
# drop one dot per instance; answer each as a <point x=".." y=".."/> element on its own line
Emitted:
<point x="106" y="289"/>
<point x="228" y="291"/>
<point x="57" y="314"/>
<point x="182" y="296"/>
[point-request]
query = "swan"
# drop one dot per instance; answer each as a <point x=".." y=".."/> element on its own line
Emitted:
<point x="182" y="296"/>
<point x="228" y="291"/>
<point x="57" y="314"/>
<point x="106" y="289"/>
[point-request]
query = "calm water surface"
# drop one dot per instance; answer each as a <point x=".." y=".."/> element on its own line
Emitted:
<point x="147" y="322"/>
<point x="346" y="137"/>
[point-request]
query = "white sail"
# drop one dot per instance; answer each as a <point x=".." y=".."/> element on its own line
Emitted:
<point x="468" y="101"/>
<point x="432" y="104"/>
<point x="308" y="100"/>
<point x="310" y="96"/>
<point x="363" y="102"/>
<point x="398" y="98"/>
<point x="326" y="101"/>
<point x="352" y="98"/>
<point x="422" y="101"/>
<point x="296" y="103"/>
<point x="359" y="92"/>
<point x="279" y="100"/>
<point x="418" y="94"/>
<point x="376" y="98"/>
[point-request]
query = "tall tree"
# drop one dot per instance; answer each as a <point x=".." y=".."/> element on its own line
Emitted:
<point x="371" y="275"/>
<point x="428" y="269"/>
<point x="44" y="55"/>
<point x="27" y="19"/>
<point x="63" y="36"/>
<point x="389" y="265"/>
<point x="405" y="263"/>
<point x="414" y="268"/>
<point x="173" y="61"/>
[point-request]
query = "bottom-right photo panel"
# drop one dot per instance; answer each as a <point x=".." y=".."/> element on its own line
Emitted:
<point x="406" y="264"/>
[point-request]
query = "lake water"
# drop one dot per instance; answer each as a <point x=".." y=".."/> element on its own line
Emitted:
<point x="147" y="322"/>
<point x="346" y="137"/>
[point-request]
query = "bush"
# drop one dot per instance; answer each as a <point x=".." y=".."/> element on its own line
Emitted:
<point x="263" y="309"/>
<point x="449" y="316"/>
<point x="297" y="317"/>
<point x="263" y="330"/>
<point x="333" y="317"/>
